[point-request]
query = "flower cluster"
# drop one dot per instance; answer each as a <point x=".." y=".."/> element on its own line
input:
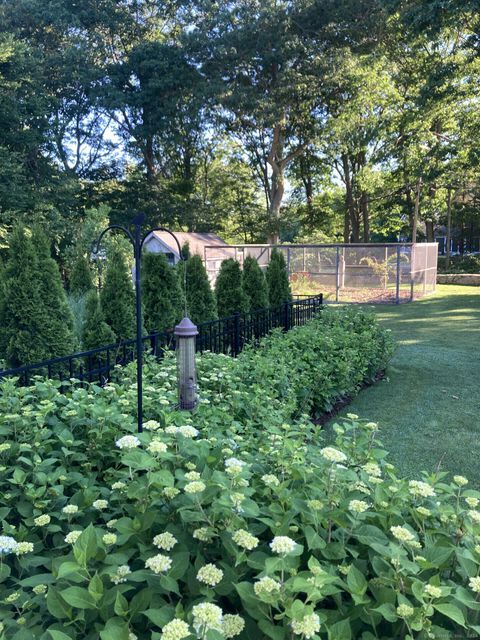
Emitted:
<point x="72" y="537"/>
<point x="7" y="544"/>
<point x="232" y="626"/>
<point x="308" y="626"/>
<point x="266" y="586"/>
<point x="333" y="455"/>
<point x="157" y="447"/>
<point x="159" y="563"/>
<point x="128" y="442"/>
<point x="70" y="509"/>
<point x="270" y="480"/>
<point x="100" y="504"/>
<point x="421" y="489"/>
<point x="245" y="539"/>
<point x="358" y="506"/>
<point x="43" y="520"/>
<point x="402" y="534"/>
<point x="207" y="616"/>
<point x="175" y="630"/>
<point x="210" y="574"/>
<point x="195" y="487"/>
<point x="283" y="545"/>
<point x="121" y="574"/>
<point x="165" y="541"/>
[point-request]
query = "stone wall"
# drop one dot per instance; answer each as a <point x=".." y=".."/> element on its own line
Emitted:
<point x="459" y="278"/>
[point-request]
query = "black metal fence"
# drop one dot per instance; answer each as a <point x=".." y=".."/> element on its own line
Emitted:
<point x="226" y="335"/>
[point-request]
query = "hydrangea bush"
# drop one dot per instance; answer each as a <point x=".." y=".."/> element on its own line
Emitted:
<point x="236" y="521"/>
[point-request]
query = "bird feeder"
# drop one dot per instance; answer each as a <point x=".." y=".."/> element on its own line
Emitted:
<point x="186" y="333"/>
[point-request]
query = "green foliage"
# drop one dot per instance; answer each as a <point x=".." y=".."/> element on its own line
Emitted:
<point x="201" y="303"/>
<point x="228" y="289"/>
<point x="36" y="320"/>
<point x="162" y="295"/>
<point x="259" y="496"/>
<point x="95" y="331"/>
<point x="117" y="297"/>
<point x="80" y="280"/>
<point x="277" y="279"/>
<point x="58" y="326"/>
<point x="460" y="264"/>
<point x="254" y="284"/>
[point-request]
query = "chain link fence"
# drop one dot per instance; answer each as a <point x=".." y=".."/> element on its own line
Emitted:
<point x="371" y="273"/>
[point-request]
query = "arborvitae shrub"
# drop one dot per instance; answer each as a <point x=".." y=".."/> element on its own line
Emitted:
<point x="162" y="295"/>
<point x="57" y="332"/>
<point x="23" y="313"/>
<point x="95" y="331"/>
<point x="277" y="279"/>
<point x="81" y="276"/>
<point x="186" y="251"/>
<point x="201" y="303"/>
<point x="254" y="284"/>
<point x="117" y="298"/>
<point x="228" y="289"/>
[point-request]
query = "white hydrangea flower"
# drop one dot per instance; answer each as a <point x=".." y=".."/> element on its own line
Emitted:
<point x="461" y="481"/>
<point x="39" y="589"/>
<point x="100" y="504"/>
<point x="333" y="455"/>
<point x="402" y="534"/>
<point x="270" y="480"/>
<point x="118" y="486"/>
<point x="233" y="625"/>
<point x="171" y="429"/>
<point x="7" y="544"/>
<point x="201" y="534"/>
<point x="474" y="515"/>
<point x="422" y="489"/>
<point x="210" y="574"/>
<point x="207" y="616"/>
<point x="121" y="575"/>
<point x="159" y="563"/>
<point x="72" y="537"/>
<point x="192" y="475"/>
<point x="109" y="538"/>
<point x="474" y="584"/>
<point x="43" y="520"/>
<point x="187" y="431"/>
<point x="266" y="586"/>
<point x="472" y="502"/>
<point x="70" y="509"/>
<point x="111" y="523"/>
<point x="157" y="447"/>
<point x="151" y="425"/>
<point x="282" y="545"/>
<point x="405" y="611"/>
<point x="433" y="591"/>
<point x="128" y="442"/>
<point x="358" y="506"/>
<point x="170" y="492"/>
<point x="23" y="547"/>
<point x="195" y="487"/>
<point x="372" y="469"/>
<point x="245" y="539"/>
<point x="308" y="626"/>
<point x="165" y="541"/>
<point x="175" y="630"/>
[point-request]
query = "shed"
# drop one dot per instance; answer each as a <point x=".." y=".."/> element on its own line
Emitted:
<point x="160" y="241"/>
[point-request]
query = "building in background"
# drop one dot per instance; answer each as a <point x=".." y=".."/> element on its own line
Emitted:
<point x="159" y="241"/>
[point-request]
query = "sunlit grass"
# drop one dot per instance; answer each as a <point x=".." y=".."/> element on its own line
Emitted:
<point x="429" y="405"/>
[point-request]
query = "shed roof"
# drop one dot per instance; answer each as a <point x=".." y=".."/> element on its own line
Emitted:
<point x="196" y="241"/>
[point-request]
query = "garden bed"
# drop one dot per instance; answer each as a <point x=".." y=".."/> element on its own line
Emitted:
<point x="233" y="521"/>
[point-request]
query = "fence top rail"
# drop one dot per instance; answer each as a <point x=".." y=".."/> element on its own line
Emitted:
<point x="331" y="245"/>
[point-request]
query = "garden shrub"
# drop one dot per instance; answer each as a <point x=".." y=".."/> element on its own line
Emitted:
<point x="233" y="521"/>
<point x="95" y="331"/>
<point x="162" y="295"/>
<point x="117" y="297"/>
<point x="201" y="303"/>
<point x="254" y="284"/>
<point x="80" y="280"/>
<point x="277" y="279"/>
<point x="228" y="289"/>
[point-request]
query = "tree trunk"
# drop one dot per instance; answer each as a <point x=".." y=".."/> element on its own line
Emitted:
<point x="366" y="221"/>
<point x="416" y="210"/>
<point x="349" y="199"/>
<point x="429" y="230"/>
<point x="449" y="228"/>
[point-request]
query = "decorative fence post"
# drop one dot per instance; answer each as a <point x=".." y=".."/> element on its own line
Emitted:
<point x="337" y="274"/>
<point x="236" y="333"/>
<point x="286" y="315"/>
<point x="397" y="295"/>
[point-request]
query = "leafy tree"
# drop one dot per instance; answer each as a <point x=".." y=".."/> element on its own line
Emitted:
<point x="163" y="298"/>
<point x="201" y="303"/>
<point x="277" y="279"/>
<point x="95" y="330"/>
<point x="254" y="284"/>
<point x="81" y="277"/>
<point x="58" y="331"/>
<point x="117" y="297"/>
<point x="228" y="289"/>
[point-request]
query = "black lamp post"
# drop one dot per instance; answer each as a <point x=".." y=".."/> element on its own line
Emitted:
<point x="137" y="243"/>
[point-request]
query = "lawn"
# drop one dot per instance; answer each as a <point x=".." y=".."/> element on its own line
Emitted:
<point x="428" y="407"/>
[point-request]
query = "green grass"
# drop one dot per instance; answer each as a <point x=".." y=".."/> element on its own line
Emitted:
<point x="428" y="408"/>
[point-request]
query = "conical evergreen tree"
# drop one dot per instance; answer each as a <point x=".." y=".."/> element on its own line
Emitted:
<point x="81" y="276"/>
<point x="95" y="331"/>
<point x="57" y="331"/>
<point x="201" y="303"/>
<point x="117" y="298"/>
<point x="23" y="314"/>
<point x="163" y="299"/>
<point x="254" y="284"/>
<point x="228" y="289"/>
<point x="277" y="279"/>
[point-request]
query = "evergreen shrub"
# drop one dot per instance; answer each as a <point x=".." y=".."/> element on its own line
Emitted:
<point x="277" y="279"/>
<point x="228" y="289"/>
